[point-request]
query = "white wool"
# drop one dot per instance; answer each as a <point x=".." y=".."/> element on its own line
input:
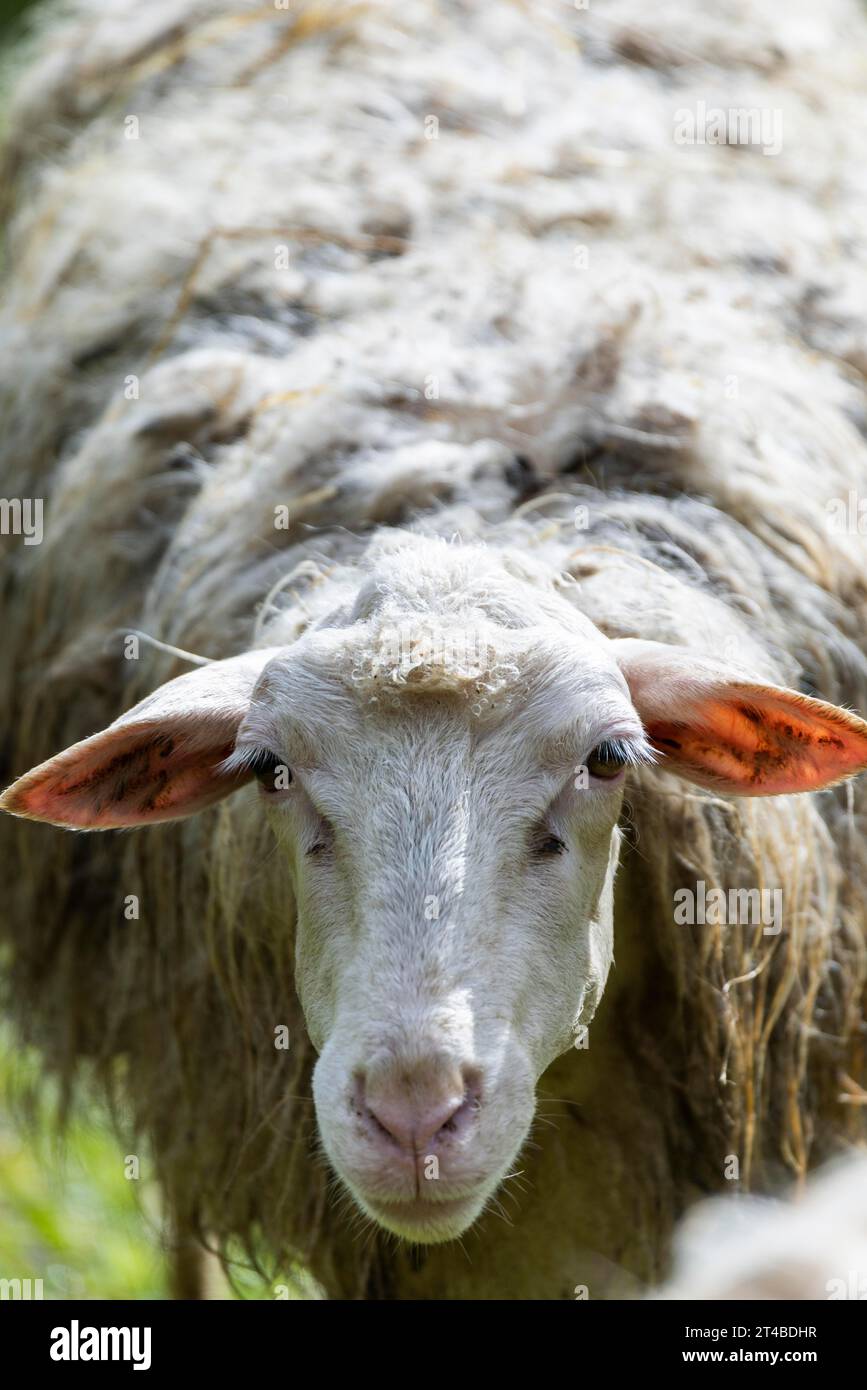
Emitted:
<point x="812" y="1246"/>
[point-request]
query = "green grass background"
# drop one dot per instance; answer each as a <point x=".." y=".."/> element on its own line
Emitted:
<point x="71" y="1217"/>
<point x="68" y="1215"/>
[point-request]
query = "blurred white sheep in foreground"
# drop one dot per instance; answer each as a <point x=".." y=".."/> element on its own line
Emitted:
<point x="811" y="1246"/>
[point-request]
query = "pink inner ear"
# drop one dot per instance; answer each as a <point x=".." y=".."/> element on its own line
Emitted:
<point x="125" y="777"/>
<point x="760" y="741"/>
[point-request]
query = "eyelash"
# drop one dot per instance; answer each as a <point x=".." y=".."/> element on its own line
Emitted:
<point x="612" y="754"/>
<point x="550" y="846"/>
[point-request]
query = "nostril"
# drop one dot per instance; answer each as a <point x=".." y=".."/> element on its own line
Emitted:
<point x="413" y="1117"/>
<point x="466" y="1110"/>
<point x="472" y="1086"/>
<point x="393" y="1119"/>
<point x="357" y="1098"/>
<point x="385" y="1111"/>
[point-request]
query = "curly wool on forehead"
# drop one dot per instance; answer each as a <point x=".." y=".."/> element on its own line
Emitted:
<point x="438" y="618"/>
<point x="490" y="674"/>
<point x="423" y="656"/>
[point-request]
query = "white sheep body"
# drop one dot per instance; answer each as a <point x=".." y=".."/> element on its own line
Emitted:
<point x="431" y="292"/>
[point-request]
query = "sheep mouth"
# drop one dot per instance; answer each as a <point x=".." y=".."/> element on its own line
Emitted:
<point x="424" y="1221"/>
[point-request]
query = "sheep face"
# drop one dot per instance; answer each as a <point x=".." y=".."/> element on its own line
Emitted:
<point x="453" y="864"/>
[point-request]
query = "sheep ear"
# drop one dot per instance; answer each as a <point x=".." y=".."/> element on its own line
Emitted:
<point x="718" y="728"/>
<point x="160" y="761"/>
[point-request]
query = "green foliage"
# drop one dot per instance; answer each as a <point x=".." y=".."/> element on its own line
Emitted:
<point x="11" y="10"/>
<point x="68" y="1214"/>
<point x="71" y="1217"/>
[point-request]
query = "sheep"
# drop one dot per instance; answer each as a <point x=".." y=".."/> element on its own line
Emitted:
<point x="383" y="366"/>
<point x="814" y="1247"/>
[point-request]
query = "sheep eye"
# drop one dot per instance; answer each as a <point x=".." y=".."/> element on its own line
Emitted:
<point x="271" y="772"/>
<point x="607" y="761"/>
<point x="550" y="844"/>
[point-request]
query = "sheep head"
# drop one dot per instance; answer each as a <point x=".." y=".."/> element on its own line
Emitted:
<point x="443" y="762"/>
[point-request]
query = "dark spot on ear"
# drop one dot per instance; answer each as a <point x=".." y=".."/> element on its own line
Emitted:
<point x="765" y="757"/>
<point x="750" y="713"/>
<point x="150" y="801"/>
<point x="710" y="751"/>
<point x="104" y="771"/>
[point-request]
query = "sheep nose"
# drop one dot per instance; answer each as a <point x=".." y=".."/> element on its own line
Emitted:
<point x="418" y="1114"/>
